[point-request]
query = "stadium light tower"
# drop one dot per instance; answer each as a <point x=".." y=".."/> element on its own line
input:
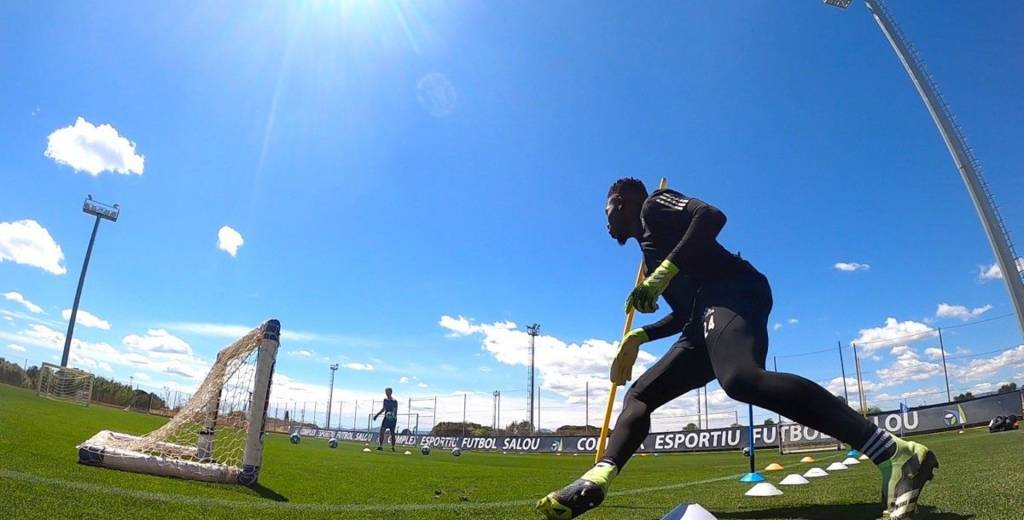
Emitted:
<point x="330" y="395"/>
<point x="100" y="211"/>
<point x="970" y="171"/>
<point x="532" y="330"/>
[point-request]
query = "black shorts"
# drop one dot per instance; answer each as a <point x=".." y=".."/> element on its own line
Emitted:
<point x="389" y="424"/>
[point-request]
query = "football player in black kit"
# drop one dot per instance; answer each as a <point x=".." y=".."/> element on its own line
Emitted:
<point x="390" y="410"/>
<point x="719" y="305"/>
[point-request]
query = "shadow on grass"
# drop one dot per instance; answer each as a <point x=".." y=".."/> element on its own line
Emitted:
<point x="837" y="512"/>
<point x="268" y="493"/>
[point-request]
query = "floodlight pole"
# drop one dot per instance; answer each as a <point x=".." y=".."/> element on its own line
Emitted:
<point x="101" y="211"/>
<point x="963" y="158"/>
<point x="330" y="395"/>
<point x="532" y="330"/>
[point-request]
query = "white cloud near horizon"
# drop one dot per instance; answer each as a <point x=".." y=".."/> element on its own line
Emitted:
<point x="26" y="242"/>
<point x="849" y="267"/>
<point x="229" y="240"/>
<point x="564" y="368"/>
<point x="94" y="149"/>
<point x="86" y="319"/>
<point x="17" y="297"/>
<point x="983" y="368"/>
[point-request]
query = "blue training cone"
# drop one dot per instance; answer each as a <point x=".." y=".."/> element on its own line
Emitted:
<point x="752" y="477"/>
<point x="853" y="453"/>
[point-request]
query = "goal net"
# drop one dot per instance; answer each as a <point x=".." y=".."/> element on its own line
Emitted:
<point x="797" y="438"/>
<point x="65" y="384"/>
<point x="217" y="435"/>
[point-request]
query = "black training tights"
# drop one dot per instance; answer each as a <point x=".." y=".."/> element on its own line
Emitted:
<point x="732" y="348"/>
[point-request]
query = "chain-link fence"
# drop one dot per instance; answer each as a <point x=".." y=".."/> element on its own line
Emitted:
<point x="927" y="366"/>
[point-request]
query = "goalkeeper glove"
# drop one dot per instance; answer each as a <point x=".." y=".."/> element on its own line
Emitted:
<point x="629" y="347"/>
<point x="644" y="297"/>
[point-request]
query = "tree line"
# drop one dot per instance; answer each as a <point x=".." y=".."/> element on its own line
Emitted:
<point x="107" y="391"/>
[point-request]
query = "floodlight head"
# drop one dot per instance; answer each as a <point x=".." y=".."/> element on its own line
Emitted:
<point x="334" y="366"/>
<point x="842" y="4"/>
<point x="101" y="210"/>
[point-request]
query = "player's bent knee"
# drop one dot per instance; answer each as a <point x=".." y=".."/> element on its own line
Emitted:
<point x="635" y="404"/>
<point x="741" y="386"/>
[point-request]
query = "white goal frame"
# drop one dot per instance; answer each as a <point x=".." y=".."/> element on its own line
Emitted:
<point x="192" y="443"/>
<point x="64" y="384"/>
<point x="797" y="438"/>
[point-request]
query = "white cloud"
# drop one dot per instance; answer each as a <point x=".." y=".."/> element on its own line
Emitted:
<point x="26" y="242"/>
<point x="403" y="380"/>
<point x="960" y="312"/>
<point x="982" y="388"/>
<point x="15" y="347"/>
<point x="988" y="273"/>
<point x="44" y="336"/>
<point x="422" y="385"/>
<point x="94" y="149"/>
<point x="933" y="352"/>
<point x="361" y="367"/>
<point x="892" y="333"/>
<point x="142" y="376"/>
<point x="100" y="356"/>
<point x="907" y="367"/>
<point x="486" y="369"/>
<point x="229" y="240"/>
<point x="850" y="267"/>
<point x="301" y="353"/>
<point x="564" y="368"/>
<point x="158" y="342"/>
<point x="792" y="321"/>
<point x="16" y="297"/>
<point x="929" y="392"/>
<point x="777" y="326"/>
<point x="86" y="319"/>
<point x="984" y="368"/>
<point x="234" y="331"/>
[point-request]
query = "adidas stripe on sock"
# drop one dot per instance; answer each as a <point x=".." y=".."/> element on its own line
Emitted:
<point x="880" y="446"/>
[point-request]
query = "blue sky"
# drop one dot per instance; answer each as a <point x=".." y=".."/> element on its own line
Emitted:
<point x="390" y="164"/>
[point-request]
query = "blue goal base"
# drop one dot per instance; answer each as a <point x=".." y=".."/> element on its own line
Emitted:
<point x="752" y="478"/>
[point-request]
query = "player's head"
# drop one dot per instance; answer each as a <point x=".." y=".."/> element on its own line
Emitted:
<point x="387" y="391"/>
<point x="625" y="199"/>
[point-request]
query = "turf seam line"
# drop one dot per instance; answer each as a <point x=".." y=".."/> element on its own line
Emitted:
<point x="219" y="502"/>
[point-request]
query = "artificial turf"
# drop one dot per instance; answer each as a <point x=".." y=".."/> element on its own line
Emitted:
<point x="979" y="478"/>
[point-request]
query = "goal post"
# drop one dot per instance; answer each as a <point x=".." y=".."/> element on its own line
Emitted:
<point x="64" y="384"/>
<point x="217" y="436"/>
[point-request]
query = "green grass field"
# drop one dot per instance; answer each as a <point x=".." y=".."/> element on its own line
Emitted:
<point x="979" y="478"/>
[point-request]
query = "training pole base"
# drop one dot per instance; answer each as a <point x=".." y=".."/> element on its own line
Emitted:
<point x="752" y="478"/>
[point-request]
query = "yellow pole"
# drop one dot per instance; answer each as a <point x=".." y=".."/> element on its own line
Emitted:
<point x="603" y="439"/>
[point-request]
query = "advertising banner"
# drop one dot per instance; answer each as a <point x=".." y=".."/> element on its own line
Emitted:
<point x="912" y="421"/>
